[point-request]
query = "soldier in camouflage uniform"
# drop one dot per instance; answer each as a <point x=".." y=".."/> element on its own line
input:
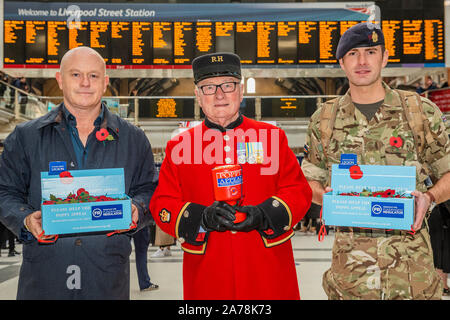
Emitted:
<point x="377" y="263"/>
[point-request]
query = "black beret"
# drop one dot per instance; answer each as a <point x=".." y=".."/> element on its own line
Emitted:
<point x="360" y="35"/>
<point x="216" y="65"/>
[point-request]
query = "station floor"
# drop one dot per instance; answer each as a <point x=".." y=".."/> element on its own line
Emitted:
<point x="312" y="259"/>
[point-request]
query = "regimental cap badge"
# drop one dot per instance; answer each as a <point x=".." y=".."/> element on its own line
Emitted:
<point x="374" y="37"/>
<point x="359" y="36"/>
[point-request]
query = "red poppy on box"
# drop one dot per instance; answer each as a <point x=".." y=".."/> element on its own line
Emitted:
<point x="65" y="174"/>
<point x="388" y="193"/>
<point x="355" y="172"/>
<point x="81" y="191"/>
<point x="66" y="177"/>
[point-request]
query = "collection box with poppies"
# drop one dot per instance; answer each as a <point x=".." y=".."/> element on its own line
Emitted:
<point x="370" y="196"/>
<point x="81" y="201"/>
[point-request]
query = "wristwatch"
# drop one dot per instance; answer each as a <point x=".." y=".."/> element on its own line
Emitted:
<point x="432" y="199"/>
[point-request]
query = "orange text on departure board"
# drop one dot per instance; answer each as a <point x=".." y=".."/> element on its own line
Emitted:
<point x="203" y="36"/>
<point x="326" y="30"/>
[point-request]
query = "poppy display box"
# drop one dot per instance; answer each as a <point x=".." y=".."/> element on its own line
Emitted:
<point x="370" y="196"/>
<point x="84" y="201"/>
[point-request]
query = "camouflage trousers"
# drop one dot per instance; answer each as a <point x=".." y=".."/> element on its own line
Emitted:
<point x="383" y="267"/>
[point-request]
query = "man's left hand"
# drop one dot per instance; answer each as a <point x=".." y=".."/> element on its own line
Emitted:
<point x="134" y="214"/>
<point x="255" y="220"/>
<point x="134" y="218"/>
<point x="422" y="204"/>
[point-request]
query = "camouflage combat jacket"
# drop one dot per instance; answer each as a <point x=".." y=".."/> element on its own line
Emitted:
<point x="370" y="140"/>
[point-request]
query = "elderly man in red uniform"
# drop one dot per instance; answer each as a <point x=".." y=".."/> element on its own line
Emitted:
<point x="225" y="258"/>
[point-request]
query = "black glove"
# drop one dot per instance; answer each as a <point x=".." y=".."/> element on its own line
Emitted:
<point x="218" y="217"/>
<point x="255" y="220"/>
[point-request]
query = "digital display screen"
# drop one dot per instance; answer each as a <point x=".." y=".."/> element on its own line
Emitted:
<point x="99" y="38"/>
<point x="141" y="43"/>
<point x="266" y="52"/>
<point x="392" y="30"/>
<point x="287" y="107"/>
<point x="245" y="36"/>
<point x="308" y="42"/>
<point x="57" y="41"/>
<point x="121" y="33"/>
<point x="14" y="42"/>
<point x="287" y="42"/>
<point x="172" y="43"/>
<point x="204" y="38"/>
<point x="169" y="108"/>
<point x="183" y="37"/>
<point x="162" y="43"/>
<point x="35" y="42"/>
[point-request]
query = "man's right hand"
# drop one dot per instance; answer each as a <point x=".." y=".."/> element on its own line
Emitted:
<point x="318" y="191"/>
<point x="218" y="217"/>
<point x="33" y="223"/>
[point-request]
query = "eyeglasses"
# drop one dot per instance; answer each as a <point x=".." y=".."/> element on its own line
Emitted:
<point x="210" y="89"/>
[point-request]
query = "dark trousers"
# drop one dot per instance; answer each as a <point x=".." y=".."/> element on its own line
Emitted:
<point x="11" y="238"/>
<point x="141" y="242"/>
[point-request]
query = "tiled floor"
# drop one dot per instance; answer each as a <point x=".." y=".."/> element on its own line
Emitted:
<point x="312" y="258"/>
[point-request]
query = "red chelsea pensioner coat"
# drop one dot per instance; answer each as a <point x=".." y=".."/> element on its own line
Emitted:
<point x="227" y="265"/>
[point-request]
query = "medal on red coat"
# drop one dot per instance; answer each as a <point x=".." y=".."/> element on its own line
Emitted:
<point x="250" y="152"/>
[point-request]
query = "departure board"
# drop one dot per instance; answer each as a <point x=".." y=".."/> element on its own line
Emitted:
<point x="174" y="44"/>
<point x="328" y="41"/>
<point x="308" y="42"/>
<point x="246" y="41"/>
<point x="100" y="38"/>
<point x="162" y="43"/>
<point x="141" y="43"/>
<point x="225" y="37"/>
<point x="287" y="107"/>
<point x="57" y="41"/>
<point x="78" y="34"/>
<point x="35" y="42"/>
<point x="183" y="37"/>
<point x="413" y="45"/>
<point x="392" y="30"/>
<point x="266" y="44"/>
<point x="433" y="40"/>
<point x="14" y="40"/>
<point x="287" y="42"/>
<point x="204" y="38"/>
<point x="120" y="49"/>
<point x="166" y="108"/>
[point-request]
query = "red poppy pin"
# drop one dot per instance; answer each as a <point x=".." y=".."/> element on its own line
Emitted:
<point x="396" y="142"/>
<point x="355" y="172"/>
<point x="103" y="135"/>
